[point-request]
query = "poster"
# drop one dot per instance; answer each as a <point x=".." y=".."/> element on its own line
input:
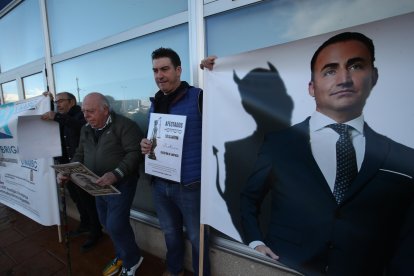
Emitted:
<point x="166" y="133"/>
<point x="85" y="179"/>
<point x="32" y="128"/>
<point x="235" y="126"/>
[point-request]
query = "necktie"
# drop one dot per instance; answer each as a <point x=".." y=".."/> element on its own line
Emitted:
<point x="346" y="165"/>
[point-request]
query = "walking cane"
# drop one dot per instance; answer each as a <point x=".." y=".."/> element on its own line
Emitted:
<point x="65" y="227"/>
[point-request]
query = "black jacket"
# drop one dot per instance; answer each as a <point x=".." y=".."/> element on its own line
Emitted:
<point x="70" y="125"/>
<point x="370" y="231"/>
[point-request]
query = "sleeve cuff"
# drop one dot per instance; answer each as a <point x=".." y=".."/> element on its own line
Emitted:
<point x="57" y="117"/>
<point x="255" y="244"/>
<point x="118" y="174"/>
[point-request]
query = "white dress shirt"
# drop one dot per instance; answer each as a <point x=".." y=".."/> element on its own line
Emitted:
<point x="323" y="143"/>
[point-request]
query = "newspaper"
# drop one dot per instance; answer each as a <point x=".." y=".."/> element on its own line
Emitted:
<point x="84" y="178"/>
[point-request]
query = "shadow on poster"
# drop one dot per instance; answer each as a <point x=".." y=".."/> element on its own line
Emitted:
<point x="264" y="91"/>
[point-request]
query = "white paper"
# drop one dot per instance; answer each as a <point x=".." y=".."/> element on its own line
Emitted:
<point x="166" y="132"/>
<point x="38" y="138"/>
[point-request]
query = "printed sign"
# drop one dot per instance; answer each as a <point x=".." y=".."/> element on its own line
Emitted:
<point x="166" y="133"/>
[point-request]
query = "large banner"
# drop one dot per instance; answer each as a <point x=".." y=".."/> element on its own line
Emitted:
<point x="28" y="185"/>
<point x="248" y="95"/>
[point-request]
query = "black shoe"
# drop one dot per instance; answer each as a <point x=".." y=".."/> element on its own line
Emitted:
<point x="78" y="232"/>
<point x="90" y="242"/>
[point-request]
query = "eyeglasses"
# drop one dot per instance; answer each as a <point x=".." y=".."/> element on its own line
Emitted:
<point x="61" y="100"/>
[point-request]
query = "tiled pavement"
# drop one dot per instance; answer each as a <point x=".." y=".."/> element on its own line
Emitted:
<point x="28" y="248"/>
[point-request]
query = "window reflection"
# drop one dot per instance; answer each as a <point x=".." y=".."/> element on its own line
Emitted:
<point x="33" y="85"/>
<point x="71" y="24"/>
<point x="10" y="92"/>
<point x="21" y="33"/>
<point x="123" y="72"/>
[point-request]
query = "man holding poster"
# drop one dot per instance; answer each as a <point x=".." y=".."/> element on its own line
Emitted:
<point x="178" y="202"/>
<point x="342" y="194"/>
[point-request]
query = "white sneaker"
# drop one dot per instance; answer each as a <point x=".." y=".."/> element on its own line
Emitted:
<point x="131" y="271"/>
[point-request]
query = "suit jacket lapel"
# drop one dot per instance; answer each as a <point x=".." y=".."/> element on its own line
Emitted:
<point x="376" y="149"/>
<point x="304" y="152"/>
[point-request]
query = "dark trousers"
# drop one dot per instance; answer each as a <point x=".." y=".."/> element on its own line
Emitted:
<point x="177" y="206"/>
<point x="114" y="211"/>
<point x="86" y="206"/>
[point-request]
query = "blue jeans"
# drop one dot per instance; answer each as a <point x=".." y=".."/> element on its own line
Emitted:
<point x="177" y="206"/>
<point x="113" y="211"/>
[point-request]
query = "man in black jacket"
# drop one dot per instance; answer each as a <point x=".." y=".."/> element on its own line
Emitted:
<point x="70" y="118"/>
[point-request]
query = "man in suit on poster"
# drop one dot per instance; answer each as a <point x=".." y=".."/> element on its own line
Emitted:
<point x="342" y="194"/>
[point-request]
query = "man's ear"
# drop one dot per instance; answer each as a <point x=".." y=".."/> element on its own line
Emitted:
<point x="311" y="89"/>
<point x="72" y="102"/>
<point x="106" y="109"/>
<point x="178" y="71"/>
<point x="374" y="76"/>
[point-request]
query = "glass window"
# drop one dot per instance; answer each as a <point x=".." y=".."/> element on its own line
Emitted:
<point x="124" y="74"/>
<point x="10" y="92"/>
<point x="77" y="22"/>
<point x="33" y="85"/>
<point x="280" y="21"/>
<point x="22" y="37"/>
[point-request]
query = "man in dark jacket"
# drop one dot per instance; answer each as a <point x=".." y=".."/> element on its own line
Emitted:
<point x="70" y="119"/>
